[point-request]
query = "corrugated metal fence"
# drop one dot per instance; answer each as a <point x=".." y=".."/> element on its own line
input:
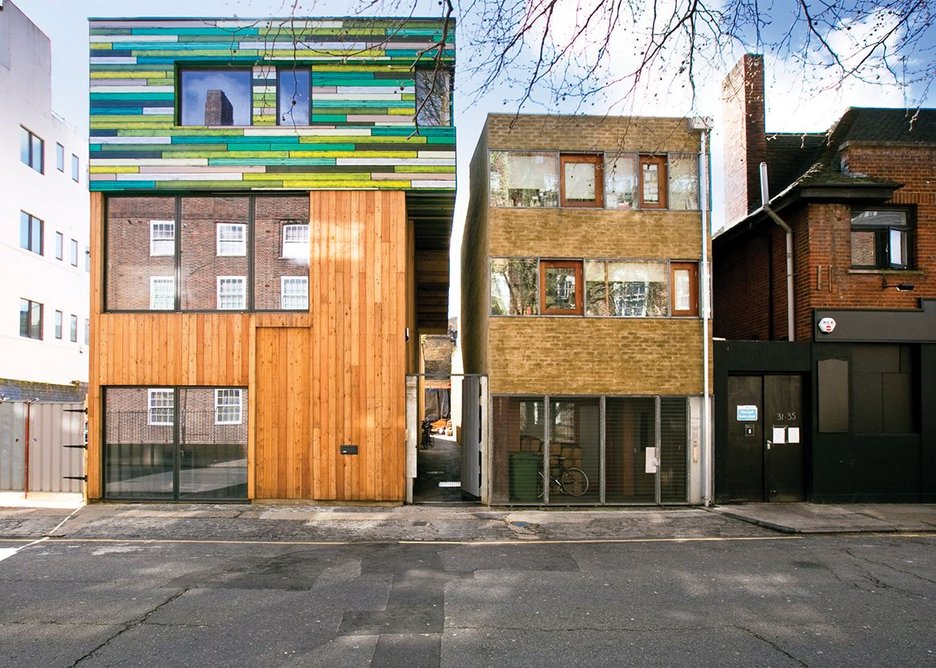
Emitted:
<point x="51" y="426"/>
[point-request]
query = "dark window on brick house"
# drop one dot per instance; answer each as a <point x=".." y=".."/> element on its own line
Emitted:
<point x="215" y="97"/>
<point x="881" y="239"/>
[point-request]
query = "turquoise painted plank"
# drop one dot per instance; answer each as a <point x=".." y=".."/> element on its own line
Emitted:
<point x="100" y="186"/>
<point x="326" y="118"/>
<point x="119" y="111"/>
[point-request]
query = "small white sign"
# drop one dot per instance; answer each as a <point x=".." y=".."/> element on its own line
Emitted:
<point x="792" y="434"/>
<point x="747" y="413"/>
<point x="826" y="325"/>
<point x="650" y="460"/>
<point x="779" y="435"/>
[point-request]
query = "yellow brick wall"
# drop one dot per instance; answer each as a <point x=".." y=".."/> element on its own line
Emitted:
<point x="574" y="355"/>
<point x="590" y="133"/>
<point x="594" y="233"/>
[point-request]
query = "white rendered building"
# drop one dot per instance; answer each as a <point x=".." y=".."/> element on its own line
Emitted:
<point x="44" y="231"/>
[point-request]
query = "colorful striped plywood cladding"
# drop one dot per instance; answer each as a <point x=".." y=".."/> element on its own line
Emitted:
<point x="359" y="132"/>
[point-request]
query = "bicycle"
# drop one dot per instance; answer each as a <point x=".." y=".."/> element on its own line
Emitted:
<point x="566" y="480"/>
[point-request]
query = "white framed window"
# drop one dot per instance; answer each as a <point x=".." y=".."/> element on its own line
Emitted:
<point x="162" y="293"/>
<point x="161" y="404"/>
<point x="294" y="293"/>
<point x="232" y="293"/>
<point x="296" y="242"/>
<point x="231" y="239"/>
<point x="162" y="237"/>
<point x="228" y="406"/>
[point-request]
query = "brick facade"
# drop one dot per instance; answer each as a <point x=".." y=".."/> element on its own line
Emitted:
<point x="578" y="354"/>
<point x="745" y="136"/>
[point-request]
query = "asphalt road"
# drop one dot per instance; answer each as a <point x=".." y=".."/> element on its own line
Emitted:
<point x="766" y="601"/>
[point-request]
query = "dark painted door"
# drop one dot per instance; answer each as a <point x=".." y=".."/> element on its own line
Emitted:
<point x="765" y="438"/>
<point x="783" y="456"/>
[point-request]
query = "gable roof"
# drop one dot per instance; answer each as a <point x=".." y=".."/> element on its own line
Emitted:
<point x="812" y="159"/>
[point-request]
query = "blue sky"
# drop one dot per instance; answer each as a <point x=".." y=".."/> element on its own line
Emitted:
<point x="798" y="99"/>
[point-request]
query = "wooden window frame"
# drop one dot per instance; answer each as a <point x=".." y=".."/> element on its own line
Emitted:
<point x="693" y="268"/>
<point x="594" y="159"/>
<point x="578" y="267"/>
<point x="663" y="178"/>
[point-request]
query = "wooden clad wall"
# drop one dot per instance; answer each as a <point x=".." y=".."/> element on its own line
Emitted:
<point x="316" y="381"/>
<point x="353" y="361"/>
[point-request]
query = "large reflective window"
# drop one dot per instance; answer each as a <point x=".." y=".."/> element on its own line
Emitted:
<point x="175" y="443"/>
<point x="621" y="181"/>
<point x="513" y="286"/>
<point x="683" y="181"/>
<point x="433" y="97"/>
<point x="293" y="92"/>
<point x="211" y="281"/>
<point x="627" y="289"/>
<point x="140" y="273"/>
<point x="524" y="178"/>
<point x="215" y="97"/>
<point x="281" y="253"/>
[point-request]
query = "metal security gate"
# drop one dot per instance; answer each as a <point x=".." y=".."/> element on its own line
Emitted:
<point x="41" y="446"/>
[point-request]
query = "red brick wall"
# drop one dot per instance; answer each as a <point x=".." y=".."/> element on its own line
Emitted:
<point x="129" y="264"/>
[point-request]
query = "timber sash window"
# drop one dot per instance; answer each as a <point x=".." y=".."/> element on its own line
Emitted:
<point x="162" y="293"/>
<point x="581" y="180"/>
<point x="231" y="239"/>
<point x="684" y="277"/>
<point x="161" y="407"/>
<point x="561" y="287"/>
<point x="880" y="239"/>
<point x="232" y="293"/>
<point x="653" y="182"/>
<point x="162" y="238"/>
<point x="294" y="291"/>
<point x="228" y="406"/>
<point x="296" y="241"/>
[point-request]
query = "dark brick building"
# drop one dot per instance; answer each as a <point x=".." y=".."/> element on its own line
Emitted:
<point x="838" y="412"/>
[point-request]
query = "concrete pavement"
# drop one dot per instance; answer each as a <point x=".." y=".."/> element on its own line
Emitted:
<point x="362" y="524"/>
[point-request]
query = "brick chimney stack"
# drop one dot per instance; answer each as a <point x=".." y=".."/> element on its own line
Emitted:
<point x="218" y="109"/>
<point x="745" y="137"/>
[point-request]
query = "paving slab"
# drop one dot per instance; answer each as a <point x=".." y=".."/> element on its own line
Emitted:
<point x="816" y="518"/>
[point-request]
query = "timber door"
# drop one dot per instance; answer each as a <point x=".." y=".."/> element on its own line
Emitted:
<point x="765" y="438"/>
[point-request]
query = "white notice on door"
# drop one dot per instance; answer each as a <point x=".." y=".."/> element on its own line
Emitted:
<point x="792" y="434"/>
<point x="650" y="461"/>
<point x="779" y="435"/>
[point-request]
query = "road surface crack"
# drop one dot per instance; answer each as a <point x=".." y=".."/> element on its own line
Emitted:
<point x="774" y="645"/>
<point x="133" y="623"/>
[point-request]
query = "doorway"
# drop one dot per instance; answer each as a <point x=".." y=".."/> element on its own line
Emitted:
<point x="766" y="438"/>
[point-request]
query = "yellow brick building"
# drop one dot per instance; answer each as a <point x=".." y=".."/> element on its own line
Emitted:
<point x="584" y="265"/>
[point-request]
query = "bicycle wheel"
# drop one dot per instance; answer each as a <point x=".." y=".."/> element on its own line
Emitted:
<point x="574" y="481"/>
<point x="539" y="484"/>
